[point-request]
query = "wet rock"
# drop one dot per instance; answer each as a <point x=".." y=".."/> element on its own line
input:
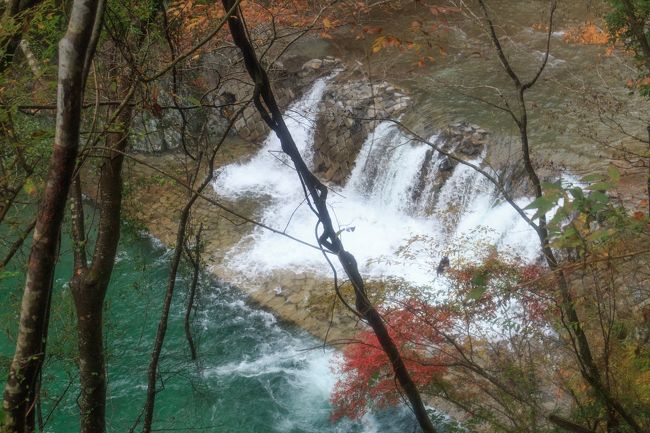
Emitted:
<point x="469" y="147"/>
<point x="313" y="64"/>
<point x="340" y="128"/>
<point x="446" y="164"/>
<point x="416" y="193"/>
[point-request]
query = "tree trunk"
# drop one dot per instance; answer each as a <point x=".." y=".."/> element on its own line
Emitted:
<point x="89" y="285"/>
<point x="11" y="41"/>
<point x="571" y="319"/>
<point x="30" y="341"/>
<point x="92" y="373"/>
<point x="169" y="294"/>
<point x="195" y="260"/>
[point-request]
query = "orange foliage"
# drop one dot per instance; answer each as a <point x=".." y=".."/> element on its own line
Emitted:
<point x="587" y="34"/>
<point x="540" y="27"/>
<point x="367" y="375"/>
<point x="196" y="18"/>
<point x="637" y="84"/>
<point x="384" y="42"/>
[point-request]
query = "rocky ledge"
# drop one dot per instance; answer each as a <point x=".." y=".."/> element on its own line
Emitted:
<point x="345" y="121"/>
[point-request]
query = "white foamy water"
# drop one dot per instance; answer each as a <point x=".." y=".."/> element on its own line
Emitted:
<point x="377" y="202"/>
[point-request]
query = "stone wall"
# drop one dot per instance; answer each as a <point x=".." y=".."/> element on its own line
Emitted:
<point x="346" y="119"/>
<point x="462" y="140"/>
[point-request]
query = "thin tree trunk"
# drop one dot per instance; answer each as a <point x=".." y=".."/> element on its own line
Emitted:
<point x="164" y="316"/>
<point x="30" y="341"/>
<point x="196" y="271"/>
<point x="17" y="244"/>
<point x="265" y="102"/>
<point x="648" y="180"/>
<point x="11" y="41"/>
<point x="567" y="425"/>
<point x="152" y="373"/>
<point x="571" y="320"/>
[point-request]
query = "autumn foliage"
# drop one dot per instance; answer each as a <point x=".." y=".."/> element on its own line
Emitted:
<point x="432" y="338"/>
<point x="196" y="18"/>
<point x="586" y="34"/>
<point x="365" y="371"/>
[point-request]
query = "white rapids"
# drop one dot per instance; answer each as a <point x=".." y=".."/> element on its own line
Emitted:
<point x="380" y="223"/>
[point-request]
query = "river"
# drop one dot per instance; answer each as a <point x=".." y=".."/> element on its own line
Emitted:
<point x="254" y="374"/>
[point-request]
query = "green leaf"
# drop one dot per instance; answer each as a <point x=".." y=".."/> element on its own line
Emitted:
<point x="577" y="193"/>
<point x="193" y="100"/>
<point x="477" y="292"/>
<point x="559" y="216"/>
<point x="540" y="203"/>
<point x="30" y="187"/>
<point x="599" y="197"/>
<point x="591" y="178"/>
<point x="568" y="239"/>
<point x="614" y="174"/>
<point x="599" y="186"/>
<point x="599" y="235"/>
<point x="551" y="186"/>
<point x="543" y="204"/>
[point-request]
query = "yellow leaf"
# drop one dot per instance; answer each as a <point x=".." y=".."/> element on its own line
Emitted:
<point x="378" y="44"/>
<point x="30" y="187"/>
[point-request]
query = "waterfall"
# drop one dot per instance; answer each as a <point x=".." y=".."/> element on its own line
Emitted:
<point x="387" y="169"/>
<point x="404" y="212"/>
<point x="270" y="172"/>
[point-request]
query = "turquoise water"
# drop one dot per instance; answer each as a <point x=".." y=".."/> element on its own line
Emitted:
<point x="253" y="374"/>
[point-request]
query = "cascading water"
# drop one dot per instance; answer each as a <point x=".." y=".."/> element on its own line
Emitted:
<point x="384" y="199"/>
<point x="387" y="170"/>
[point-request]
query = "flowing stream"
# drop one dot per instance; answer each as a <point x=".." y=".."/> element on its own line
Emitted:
<point x="253" y="375"/>
<point x="381" y="222"/>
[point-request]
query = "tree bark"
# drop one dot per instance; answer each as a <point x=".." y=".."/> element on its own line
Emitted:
<point x="90" y="284"/>
<point x="34" y="312"/>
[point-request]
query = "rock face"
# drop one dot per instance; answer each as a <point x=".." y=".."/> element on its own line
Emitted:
<point x="465" y="138"/>
<point x="462" y="140"/>
<point x="159" y="130"/>
<point x="345" y="120"/>
<point x="314" y="65"/>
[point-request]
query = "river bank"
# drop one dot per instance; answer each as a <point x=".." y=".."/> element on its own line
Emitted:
<point x="153" y="202"/>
